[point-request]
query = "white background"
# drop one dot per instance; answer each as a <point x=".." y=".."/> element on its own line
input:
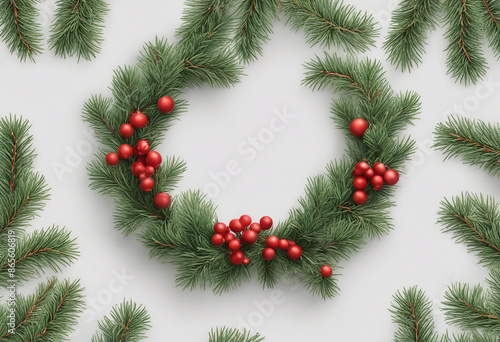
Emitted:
<point x="51" y="93"/>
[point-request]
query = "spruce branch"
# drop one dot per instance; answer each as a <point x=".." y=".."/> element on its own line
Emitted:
<point x="466" y="62"/>
<point x="491" y="19"/>
<point x="19" y="28"/>
<point x="411" y="24"/>
<point x="129" y="322"/>
<point x="51" y="248"/>
<point x="476" y="142"/>
<point x="331" y="23"/>
<point x="254" y="25"/>
<point x="77" y="28"/>
<point x="232" y="335"/>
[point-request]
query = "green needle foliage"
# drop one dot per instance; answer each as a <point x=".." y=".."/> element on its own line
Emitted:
<point x="474" y="141"/>
<point x="328" y="225"/>
<point x="128" y="323"/>
<point x="232" y="335"/>
<point x="19" y="29"/>
<point x="77" y="28"/>
<point x="331" y="23"/>
<point x="411" y="24"/>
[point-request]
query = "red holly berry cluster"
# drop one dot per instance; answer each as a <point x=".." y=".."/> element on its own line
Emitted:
<point x="146" y="161"/>
<point x="377" y="175"/>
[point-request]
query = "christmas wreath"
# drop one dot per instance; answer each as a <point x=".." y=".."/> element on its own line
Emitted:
<point x="340" y="210"/>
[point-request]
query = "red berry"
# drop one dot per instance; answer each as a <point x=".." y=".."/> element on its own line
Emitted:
<point x="228" y="237"/>
<point x="272" y="242"/>
<point x="112" y="159"/>
<point x="361" y="168"/>
<point x="290" y="243"/>
<point x="137" y="168"/>
<point x="379" y="168"/>
<point x="377" y="181"/>
<point x="391" y="177"/>
<point x="142" y="147"/>
<point x="147" y="184"/>
<point x="360" y="197"/>
<point x="245" y="220"/>
<point x="249" y="237"/>
<point x="153" y="159"/>
<point x="162" y="200"/>
<point x="246" y="261"/>
<point x="138" y="120"/>
<point x="234" y="245"/>
<point x="237" y="257"/>
<point x="268" y="254"/>
<point x="126" y="130"/>
<point x="358" y="127"/>
<point x="377" y="188"/>
<point x="368" y="174"/>
<point x="217" y="239"/>
<point x="125" y="151"/>
<point x="141" y="159"/>
<point x="149" y="169"/>
<point x="220" y="228"/>
<point x="360" y="183"/>
<point x="236" y="226"/>
<point x="142" y="176"/>
<point x="294" y="252"/>
<point x="255" y="227"/>
<point x="266" y="223"/>
<point x="283" y="245"/>
<point x="166" y="104"/>
<point x="326" y="271"/>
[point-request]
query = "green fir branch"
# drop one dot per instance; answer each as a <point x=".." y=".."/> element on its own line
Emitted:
<point x="474" y="141"/>
<point x="129" y="322"/>
<point x="20" y="29"/>
<point x="411" y="24"/>
<point x="330" y="23"/>
<point x="232" y="335"/>
<point x="77" y="28"/>
<point x="491" y="19"/>
<point x="466" y="62"/>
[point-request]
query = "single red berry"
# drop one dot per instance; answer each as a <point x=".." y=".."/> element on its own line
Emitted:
<point x="294" y="252"/>
<point x="217" y="239"/>
<point x="166" y="104"/>
<point x="162" y="200"/>
<point x="283" y="245"/>
<point x="228" y="237"/>
<point x="246" y="261"/>
<point x="272" y="242"/>
<point x="255" y="227"/>
<point x="237" y="257"/>
<point x="266" y="223"/>
<point x="326" y="271"/>
<point x="220" y="228"/>
<point x="245" y="220"/>
<point x="142" y="147"/>
<point x="142" y="176"/>
<point x="112" y="159"/>
<point x="147" y="184"/>
<point x="377" y="181"/>
<point x="368" y="174"/>
<point x="290" y="243"/>
<point x="360" y="197"/>
<point x="153" y="159"/>
<point x="360" y="183"/>
<point x="234" y="245"/>
<point x="236" y="226"/>
<point x="391" y="177"/>
<point x="138" y="120"/>
<point x="361" y="168"/>
<point x="150" y="171"/>
<point x="249" y="237"/>
<point x="268" y="254"/>
<point x="358" y="127"/>
<point x="137" y="168"/>
<point x="379" y="168"/>
<point x="125" y="151"/>
<point x="126" y="130"/>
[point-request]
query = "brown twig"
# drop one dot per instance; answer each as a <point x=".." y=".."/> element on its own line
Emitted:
<point x="463" y="20"/>
<point x="416" y="321"/>
<point x="491" y="13"/>
<point x="478" y="233"/>
<point x="74" y="8"/>
<point x="346" y="208"/>
<point x="27" y="255"/>
<point x="163" y="244"/>
<point x="254" y="6"/>
<point x="483" y="313"/>
<point x="125" y="328"/>
<point x="475" y="144"/>
<point x="14" y="155"/>
<point x="192" y="66"/>
<point x="17" y="25"/>
<point x="353" y="82"/>
<point x="107" y="123"/>
<point x="57" y="310"/>
<point x="332" y="25"/>
<point x="14" y="215"/>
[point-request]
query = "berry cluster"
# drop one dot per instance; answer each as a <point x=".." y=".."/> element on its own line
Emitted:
<point x="377" y="175"/>
<point x="146" y="161"/>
